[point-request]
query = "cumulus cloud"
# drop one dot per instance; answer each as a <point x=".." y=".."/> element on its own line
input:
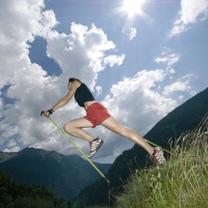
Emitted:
<point x="135" y="101"/>
<point x="139" y="94"/>
<point x="80" y="53"/>
<point x="20" y="21"/>
<point x="114" y="59"/>
<point x="191" y="11"/>
<point x="182" y="84"/>
<point x="83" y="52"/>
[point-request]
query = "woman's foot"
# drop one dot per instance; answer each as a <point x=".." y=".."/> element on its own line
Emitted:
<point x="158" y="156"/>
<point x="95" y="146"/>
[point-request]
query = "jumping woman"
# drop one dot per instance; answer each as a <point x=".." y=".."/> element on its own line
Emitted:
<point x="97" y="114"/>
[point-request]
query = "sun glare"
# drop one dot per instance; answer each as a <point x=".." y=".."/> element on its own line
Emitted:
<point x="133" y="7"/>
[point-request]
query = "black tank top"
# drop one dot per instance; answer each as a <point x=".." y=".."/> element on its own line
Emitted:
<point x="83" y="94"/>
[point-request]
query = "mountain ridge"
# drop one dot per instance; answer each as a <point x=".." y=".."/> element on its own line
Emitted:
<point x="65" y="175"/>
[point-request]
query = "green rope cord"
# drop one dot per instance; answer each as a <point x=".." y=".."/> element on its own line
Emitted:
<point x="79" y="150"/>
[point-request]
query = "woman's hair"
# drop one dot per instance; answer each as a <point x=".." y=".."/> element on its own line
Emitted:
<point x="71" y="79"/>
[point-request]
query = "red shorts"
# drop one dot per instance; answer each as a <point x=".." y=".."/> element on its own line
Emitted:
<point x="96" y="114"/>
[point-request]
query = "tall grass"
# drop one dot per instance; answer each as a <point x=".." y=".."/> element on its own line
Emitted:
<point x="181" y="183"/>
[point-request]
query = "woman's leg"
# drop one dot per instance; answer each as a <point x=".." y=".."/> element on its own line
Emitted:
<point x="112" y="124"/>
<point x="75" y="126"/>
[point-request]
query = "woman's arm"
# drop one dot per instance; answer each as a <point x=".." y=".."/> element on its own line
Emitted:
<point x="63" y="101"/>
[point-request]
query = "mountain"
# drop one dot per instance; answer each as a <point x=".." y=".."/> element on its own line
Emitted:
<point x="6" y="156"/>
<point x="13" y="194"/>
<point x="183" y="118"/>
<point x="64" y="175"/>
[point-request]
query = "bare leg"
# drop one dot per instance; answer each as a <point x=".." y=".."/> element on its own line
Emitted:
<point x="75" y="126"/>
<point x="115" y="126"/>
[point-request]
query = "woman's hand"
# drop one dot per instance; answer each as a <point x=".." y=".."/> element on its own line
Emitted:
<point x="46" y="113"/>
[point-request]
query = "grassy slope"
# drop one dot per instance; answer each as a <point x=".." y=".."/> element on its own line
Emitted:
<point x="182" y="182"/>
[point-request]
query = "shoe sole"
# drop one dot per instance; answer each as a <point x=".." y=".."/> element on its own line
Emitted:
<point x="98" y="147"/>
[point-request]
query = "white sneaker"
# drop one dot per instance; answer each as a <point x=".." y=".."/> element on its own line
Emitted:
<point x="158" y="156"/>
<point x="95" y="146"/>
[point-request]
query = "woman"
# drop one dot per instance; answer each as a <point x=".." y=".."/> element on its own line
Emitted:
<point x="97" y="114"/>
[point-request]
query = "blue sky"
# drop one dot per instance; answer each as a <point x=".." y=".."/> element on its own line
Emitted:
<point x="148" y="64"/>
<point x="152" y="38"/>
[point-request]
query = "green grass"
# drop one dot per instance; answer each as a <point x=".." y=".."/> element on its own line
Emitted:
<point x="181" y="183"/>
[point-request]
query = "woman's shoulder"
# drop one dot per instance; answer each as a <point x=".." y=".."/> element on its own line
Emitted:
<point x="76" y="84"/>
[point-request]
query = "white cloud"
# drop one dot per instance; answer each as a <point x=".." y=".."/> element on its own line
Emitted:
<point x="167" y="57"/>
<point x="47" y="21"/>
<point x="130" y="32"/>
<point x="1" y="106"/>
<point x="135" y="101"/>
<point x="80" y="53"/>
<point x="83" y="53"/>
<point x="191" y="11"/>
<point x="13" y="149"/>
<point x="20" y="21"/>
<point x="181" y="85"/>
<point x="8" y="130"/>
<point x="113" y="59"/>
<point x="98" y="90"/>
<point x="139" y="90"/>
